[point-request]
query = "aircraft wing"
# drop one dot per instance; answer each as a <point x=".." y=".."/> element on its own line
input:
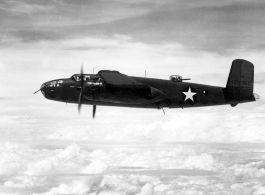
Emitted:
<point x="116" y="79"/>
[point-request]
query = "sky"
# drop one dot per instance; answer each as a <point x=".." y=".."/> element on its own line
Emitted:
<point x="46" y="148"/>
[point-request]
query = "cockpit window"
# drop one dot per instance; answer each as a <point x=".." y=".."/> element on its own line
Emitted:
<point x="77" y="78"/>
<point x="56" y="83"/>
<point x="90" y="79"/>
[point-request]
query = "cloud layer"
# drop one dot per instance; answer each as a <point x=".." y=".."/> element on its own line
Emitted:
<point x="150" y="169"/>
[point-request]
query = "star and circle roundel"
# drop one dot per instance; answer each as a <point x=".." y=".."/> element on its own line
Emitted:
<point x="189" y="95"/>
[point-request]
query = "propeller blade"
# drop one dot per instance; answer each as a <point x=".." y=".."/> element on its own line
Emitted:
<point x="80" y="102"/>
<point x="94" y="110"/>
<point x="82" y="78"/>
<point x="82" y="69"/>
<point x="81" y="91"/>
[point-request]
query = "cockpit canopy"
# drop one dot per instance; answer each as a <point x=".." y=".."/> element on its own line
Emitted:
<point x="87" y="77"/>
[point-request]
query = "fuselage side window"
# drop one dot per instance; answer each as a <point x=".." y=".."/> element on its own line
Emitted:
<point x="94" y="80"/>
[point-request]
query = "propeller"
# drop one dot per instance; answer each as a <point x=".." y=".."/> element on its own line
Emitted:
<point x="80" y="99"/>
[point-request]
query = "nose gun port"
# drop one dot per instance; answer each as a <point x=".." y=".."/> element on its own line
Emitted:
<point x="41" y="89"/>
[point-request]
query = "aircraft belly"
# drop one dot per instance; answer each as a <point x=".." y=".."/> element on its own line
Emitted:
<point x="101" y="103"/>
<point x="132" y="95"/>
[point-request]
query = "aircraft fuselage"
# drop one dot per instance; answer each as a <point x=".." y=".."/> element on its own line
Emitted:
<point x="174" y="94"/>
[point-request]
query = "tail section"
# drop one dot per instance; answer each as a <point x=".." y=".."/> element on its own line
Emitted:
<point x="240" y="83"/>
<point x="241" y="77"/>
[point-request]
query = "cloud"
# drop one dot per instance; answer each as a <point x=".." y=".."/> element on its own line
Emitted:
<point x="16" y="159"/>
<point x="95" y="167"/>
<point x="203" y="161"/>
<point x="57" y="20"/>
<point x="248" y="170"/>
<point x="120" y="183"/>
<point x="214" y="127"/>
<point x="179" y="157"/>
<point x="111" y="193"/>
<point x="147" y="189"/>
<point x="28" y="35"/>
<point x="10" y="161"/>
<point x="72" y="133"/>
<point x="2" y="67"/>
<point x="25" y="181"/>
<point x="118" y="41"/>
<point x="208" y="24"/>
<point x="258" y="47"/>
<point x="75" y="187"/>
<point x="260" y="190"/>
<point x="3" y="73"/>
<point x="24" y="7"/>
<point x="43" y="166"/>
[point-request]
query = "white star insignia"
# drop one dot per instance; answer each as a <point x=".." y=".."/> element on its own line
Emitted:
<point x="189" y="95"/>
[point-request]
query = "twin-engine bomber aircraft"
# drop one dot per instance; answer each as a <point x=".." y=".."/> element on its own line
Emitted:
<point x="112" y="88"/>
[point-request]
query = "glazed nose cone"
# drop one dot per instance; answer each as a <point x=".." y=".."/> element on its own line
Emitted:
<point x="43" y="88"/>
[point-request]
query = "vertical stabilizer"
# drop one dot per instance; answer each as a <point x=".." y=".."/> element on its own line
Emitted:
<point x="241" y="79"/>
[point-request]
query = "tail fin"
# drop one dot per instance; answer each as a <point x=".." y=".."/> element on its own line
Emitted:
<point x="241" y="79"/>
